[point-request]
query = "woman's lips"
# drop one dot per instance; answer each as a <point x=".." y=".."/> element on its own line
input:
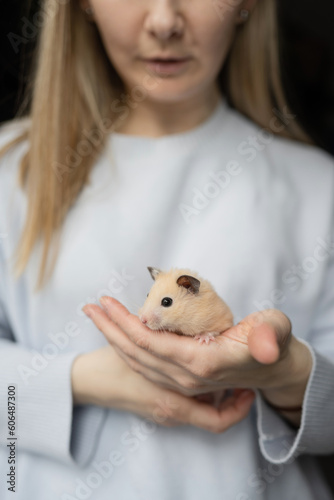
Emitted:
<point x="167" y="66"/>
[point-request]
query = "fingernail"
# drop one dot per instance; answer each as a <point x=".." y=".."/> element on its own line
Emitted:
<point x="88" y="311"/>
<point x="105" y="301"/>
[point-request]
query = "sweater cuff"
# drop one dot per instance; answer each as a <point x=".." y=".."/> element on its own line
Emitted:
<point x="87" y="425"/>
<point x="279" y="442"/>
<point x="46" y="422"/>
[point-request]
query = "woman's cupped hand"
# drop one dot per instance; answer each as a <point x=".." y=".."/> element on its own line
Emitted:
<point x="167" y="377"/>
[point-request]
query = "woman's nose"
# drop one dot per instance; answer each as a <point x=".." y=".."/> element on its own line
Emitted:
<point x="164" y="19"/>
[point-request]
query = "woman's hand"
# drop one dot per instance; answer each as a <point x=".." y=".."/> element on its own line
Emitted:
<point x="259" y="352"/>
<point x="101" y="377"/>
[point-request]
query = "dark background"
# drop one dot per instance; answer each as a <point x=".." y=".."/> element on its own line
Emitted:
<point x="307" y="52"/>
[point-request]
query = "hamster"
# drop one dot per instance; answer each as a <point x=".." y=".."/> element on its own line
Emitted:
<point x="182" y="302"/>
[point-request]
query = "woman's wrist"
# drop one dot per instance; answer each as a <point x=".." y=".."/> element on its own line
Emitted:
<point x="86" y="384"/>
<point x="100" y="378"/>
<point x="293" y="373"/>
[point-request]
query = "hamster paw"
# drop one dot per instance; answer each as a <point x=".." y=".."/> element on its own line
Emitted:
<point x="205" y="337"/>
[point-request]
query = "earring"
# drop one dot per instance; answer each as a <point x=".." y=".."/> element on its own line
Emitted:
<point x="244" y="14"/>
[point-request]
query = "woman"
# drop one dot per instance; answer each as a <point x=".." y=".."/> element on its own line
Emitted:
<point x="206" y="167"/>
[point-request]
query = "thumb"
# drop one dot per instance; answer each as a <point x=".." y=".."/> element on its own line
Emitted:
<point x="268" y="334"/>
<point x="262" y="344"/>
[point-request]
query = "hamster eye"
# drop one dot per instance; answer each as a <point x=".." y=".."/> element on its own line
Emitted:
<point x="147" y="295"/>
<point x="167" y="302"/>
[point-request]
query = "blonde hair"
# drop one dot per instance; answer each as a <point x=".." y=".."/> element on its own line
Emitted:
<point x="73" y="88"/>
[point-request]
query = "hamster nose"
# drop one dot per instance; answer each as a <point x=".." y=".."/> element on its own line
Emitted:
<point x="143" y="320"/>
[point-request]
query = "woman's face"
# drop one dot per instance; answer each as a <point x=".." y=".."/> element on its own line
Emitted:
<point x="200" y="31"/>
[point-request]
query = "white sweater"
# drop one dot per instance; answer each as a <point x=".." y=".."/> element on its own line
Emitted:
<point x="257" y="221"/>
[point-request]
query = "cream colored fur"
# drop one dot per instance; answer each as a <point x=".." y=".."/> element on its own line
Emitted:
<point x="190" y="314"/>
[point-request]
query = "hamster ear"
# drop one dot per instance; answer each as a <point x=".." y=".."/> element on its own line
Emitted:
<point x="154" y="271"/>
<point x="192" y="284"/>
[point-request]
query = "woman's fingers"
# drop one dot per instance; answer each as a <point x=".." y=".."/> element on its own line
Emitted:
<point x="268" y="333"/>
<point x="175" y="409"/>
<point x="151" y="375"/>
<point x="171" y="408"/>
<point x="110" y="330"/>
<point x="141" y="360"/>
<point x="262" y="344"/>
<point x="166" y="406"/>
<point x="123" y="328"/>
<point x="231" y="411"/>
<point x="186" y="386"/>
<point x="177" y="362"/>
<point x="178" y="349"/>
